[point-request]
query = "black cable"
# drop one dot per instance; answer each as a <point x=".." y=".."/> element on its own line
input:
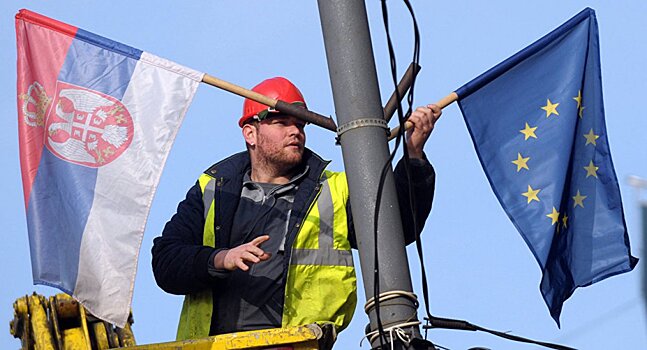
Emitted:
<point x="376" y="268"/>
<point x="438" y="322"/>
<point x="402" y="117"/>
<point x="416" y="59"/>
<point x="378" y="199"/>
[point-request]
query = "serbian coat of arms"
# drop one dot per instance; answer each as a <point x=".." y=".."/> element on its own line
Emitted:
<point x="82" y="126"/>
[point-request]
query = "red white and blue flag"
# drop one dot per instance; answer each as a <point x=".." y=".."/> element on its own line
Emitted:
<point x="96" y="121"/>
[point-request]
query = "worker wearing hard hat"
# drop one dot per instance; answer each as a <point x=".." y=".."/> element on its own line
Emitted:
<point x="263" y="239"/>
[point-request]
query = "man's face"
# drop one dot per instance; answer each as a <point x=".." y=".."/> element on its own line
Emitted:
<point x="280" y="140"/>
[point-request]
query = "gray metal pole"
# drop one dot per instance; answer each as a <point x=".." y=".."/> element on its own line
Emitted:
<point x="365" y="151"/>
<point x="641" y="184"/>
<point x="643" y="207"/>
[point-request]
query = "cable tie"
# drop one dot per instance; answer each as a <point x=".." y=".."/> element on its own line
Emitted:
<point x="370" y="304"/>
<point x="397" y="329"/>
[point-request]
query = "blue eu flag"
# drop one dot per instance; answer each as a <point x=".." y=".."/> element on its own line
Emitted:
<point x="537" y="123"/>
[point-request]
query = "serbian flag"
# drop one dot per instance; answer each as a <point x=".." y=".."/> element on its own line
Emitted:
<point x="96" y="121"/>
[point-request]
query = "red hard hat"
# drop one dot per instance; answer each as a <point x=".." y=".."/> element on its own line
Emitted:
<point x="277" y="88"/>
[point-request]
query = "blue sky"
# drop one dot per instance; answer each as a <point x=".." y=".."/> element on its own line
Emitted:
<point x="479" y="268"/>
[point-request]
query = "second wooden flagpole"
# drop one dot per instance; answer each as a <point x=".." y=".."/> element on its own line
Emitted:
<point x="444" y="102"/>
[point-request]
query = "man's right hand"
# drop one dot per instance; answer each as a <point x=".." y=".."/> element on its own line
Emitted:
<point x="242" y="256"/>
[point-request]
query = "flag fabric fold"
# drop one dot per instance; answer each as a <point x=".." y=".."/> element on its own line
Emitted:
<point x="96" y="122"/>
<point x="537" y="124"/>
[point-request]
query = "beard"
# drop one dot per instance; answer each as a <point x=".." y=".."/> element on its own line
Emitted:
<point x="281" y="158"/>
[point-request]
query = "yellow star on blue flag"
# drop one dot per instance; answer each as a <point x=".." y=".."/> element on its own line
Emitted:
<point x="580" y="244"/>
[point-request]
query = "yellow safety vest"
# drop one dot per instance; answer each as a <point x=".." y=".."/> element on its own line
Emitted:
<point x="321" y="285"/>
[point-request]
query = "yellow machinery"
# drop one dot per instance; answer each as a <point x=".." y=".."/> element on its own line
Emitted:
<point x="61" y="323"/>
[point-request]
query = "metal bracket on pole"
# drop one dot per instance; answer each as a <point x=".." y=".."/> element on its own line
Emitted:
<point x="360" y="123"/>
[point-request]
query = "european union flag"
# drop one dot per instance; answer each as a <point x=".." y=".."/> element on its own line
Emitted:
<point x="537" y="123"/>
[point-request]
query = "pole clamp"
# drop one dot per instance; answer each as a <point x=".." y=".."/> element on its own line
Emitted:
<point x="360" y="123"/>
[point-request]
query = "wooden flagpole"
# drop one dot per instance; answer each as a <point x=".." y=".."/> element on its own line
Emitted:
<point x="444" y="102"/>
<point x="301" y="113"/>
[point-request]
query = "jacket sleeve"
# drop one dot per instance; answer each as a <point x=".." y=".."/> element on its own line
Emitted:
<point x="180" y="260"/>
<point x="423" y="180"/>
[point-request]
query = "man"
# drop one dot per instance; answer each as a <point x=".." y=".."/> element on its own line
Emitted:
<point x="263" y="238"/>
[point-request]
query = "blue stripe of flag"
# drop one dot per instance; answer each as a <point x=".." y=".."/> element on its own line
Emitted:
<point x="98" y="64"/>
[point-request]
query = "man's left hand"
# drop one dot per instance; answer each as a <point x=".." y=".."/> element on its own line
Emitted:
<point x="423" y="120"/>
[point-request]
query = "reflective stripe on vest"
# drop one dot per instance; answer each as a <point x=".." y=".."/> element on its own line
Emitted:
<point x="325" y="254"/>
<point x="209" y="193"/>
